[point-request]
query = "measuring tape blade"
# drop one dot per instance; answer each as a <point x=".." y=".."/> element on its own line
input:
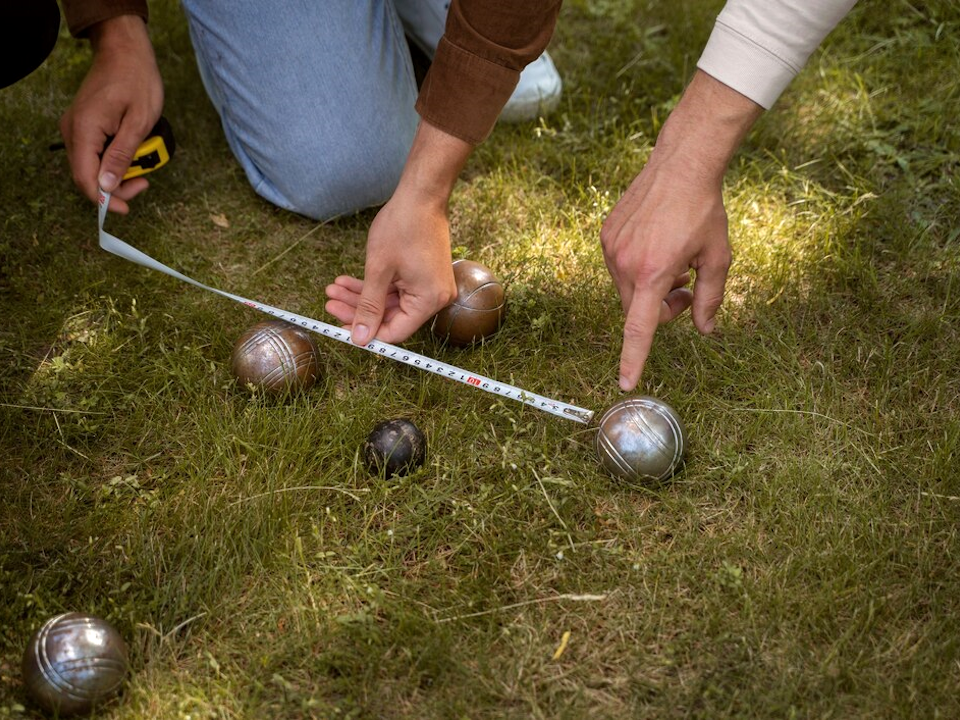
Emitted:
<point x="115" y="245"/>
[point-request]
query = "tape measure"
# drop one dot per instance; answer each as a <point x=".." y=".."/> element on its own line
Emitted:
<point x="152" y="154"/>
<point x="115" y="245"/>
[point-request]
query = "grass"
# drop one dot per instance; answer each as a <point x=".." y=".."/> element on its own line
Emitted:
<point x="804" y="564"/>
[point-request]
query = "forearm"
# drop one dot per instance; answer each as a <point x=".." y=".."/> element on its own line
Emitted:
<point x="707" y="127"/>
<point x="478" y="62"/>
<point x="121" y="34"/>
<point x="433" y="166"/>
<point x="83" y="15"/>
<point x="758" y="46"/>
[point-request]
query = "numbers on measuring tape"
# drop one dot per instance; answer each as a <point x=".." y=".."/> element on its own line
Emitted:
<point x="425" y="363"/>
<point x="115" y="245"/>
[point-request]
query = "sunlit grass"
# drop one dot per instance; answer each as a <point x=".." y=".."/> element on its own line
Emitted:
<point x="802" y="565"/>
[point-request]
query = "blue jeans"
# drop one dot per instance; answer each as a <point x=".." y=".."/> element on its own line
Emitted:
<point x="316" y="97"/>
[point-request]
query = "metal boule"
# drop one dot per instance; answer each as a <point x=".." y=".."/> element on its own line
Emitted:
<point x="641" y="439"/>
<point x="276" y="356"/>
<point x="478" y="310"/>
<point x="73" y="663"/>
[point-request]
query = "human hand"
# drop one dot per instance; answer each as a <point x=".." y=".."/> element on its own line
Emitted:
<point x="669" y="221"/>
<point x="122" y="97"/>
<point x="672" y="220"/>
<point x="408" y="275"/>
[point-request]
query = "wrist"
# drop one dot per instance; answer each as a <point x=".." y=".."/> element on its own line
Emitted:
<point x="707" y="127"/>
<point x="433" y="167"/>
<point x="122" y="33"/>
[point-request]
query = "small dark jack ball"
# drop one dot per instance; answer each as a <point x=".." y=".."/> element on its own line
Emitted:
<point x="73" y="663"/>
<point x="277" y="356"/>
<point x="394" y="447"/>
<point x="478" y="310"/>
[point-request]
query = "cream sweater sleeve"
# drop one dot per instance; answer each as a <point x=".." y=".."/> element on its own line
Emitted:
<point x="758" y="46"/>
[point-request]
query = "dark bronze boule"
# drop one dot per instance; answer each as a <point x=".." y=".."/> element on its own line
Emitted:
<point x="478" y="310"/>
<point x="277" y="356"/>
<point x="394" y="447"/>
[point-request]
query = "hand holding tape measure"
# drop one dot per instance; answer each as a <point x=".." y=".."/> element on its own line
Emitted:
<point x="153" y="153"/>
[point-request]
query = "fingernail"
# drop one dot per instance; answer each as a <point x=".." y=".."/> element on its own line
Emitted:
<point x="108" y="181"/>
<point x="360" y="333"/>
<point x="625" y="383"/>
<point x="711" y="324"/>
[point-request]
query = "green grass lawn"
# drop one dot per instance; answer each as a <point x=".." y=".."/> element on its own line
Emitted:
<point x="804" y="564"/>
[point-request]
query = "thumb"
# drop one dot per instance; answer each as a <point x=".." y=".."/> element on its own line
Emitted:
<point x="370" y="308"/>
<point x="119" y="153"/>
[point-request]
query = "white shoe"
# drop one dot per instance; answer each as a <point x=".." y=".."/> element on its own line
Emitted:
<point x="537" y="91"/>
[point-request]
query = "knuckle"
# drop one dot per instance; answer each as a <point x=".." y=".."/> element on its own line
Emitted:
<point x="144" y="126"/>
<point x="369" y="306"/>
<point x="120" y="154"/>
<point x="649" y="267"/>
<point x="634" y="328"/>
<point x="714" y="300"/>
<point x="446" y="296"/>
<point x="609" y="237"/>
<point x="606" y="235"/>
<point x="644" y="269"/>
<point x="719" y="258"/>
<point x="82" y="181"/>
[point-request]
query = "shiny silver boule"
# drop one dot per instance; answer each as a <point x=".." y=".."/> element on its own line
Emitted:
<point x="276" y="356"/>
<point x="641" y="439"/>
<point x="73" y="663"/>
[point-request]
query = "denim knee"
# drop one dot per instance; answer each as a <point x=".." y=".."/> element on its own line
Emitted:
<point x="323" y="183"/>
<point x="316" y="99"/>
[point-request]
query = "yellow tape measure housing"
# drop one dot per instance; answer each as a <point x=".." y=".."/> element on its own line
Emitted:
<point x="154" y="152"/>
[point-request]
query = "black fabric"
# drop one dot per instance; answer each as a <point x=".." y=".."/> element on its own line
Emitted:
<point x="29" y="31"/>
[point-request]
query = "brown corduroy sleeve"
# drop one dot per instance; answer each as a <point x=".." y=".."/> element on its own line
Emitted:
<point x="83" y="14"/>
<point x="478" y="61"/>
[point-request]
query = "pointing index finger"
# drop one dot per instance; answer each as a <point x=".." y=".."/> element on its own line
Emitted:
<point x="643" y="317"/>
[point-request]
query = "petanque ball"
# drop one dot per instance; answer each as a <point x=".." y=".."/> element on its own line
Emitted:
<point x="277" y="356"/>
<point x="394" y="447"/>
<point x="478" y="310"/>
<point x="73" y="663"/>
<point x="641" y="439"/>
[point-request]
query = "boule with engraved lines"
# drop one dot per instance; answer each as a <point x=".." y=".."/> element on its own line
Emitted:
<point x="73" y="663"/>
<point x="641" y="439"/>
<point x="277" y="356"/>
<point x="478" y="310"/>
